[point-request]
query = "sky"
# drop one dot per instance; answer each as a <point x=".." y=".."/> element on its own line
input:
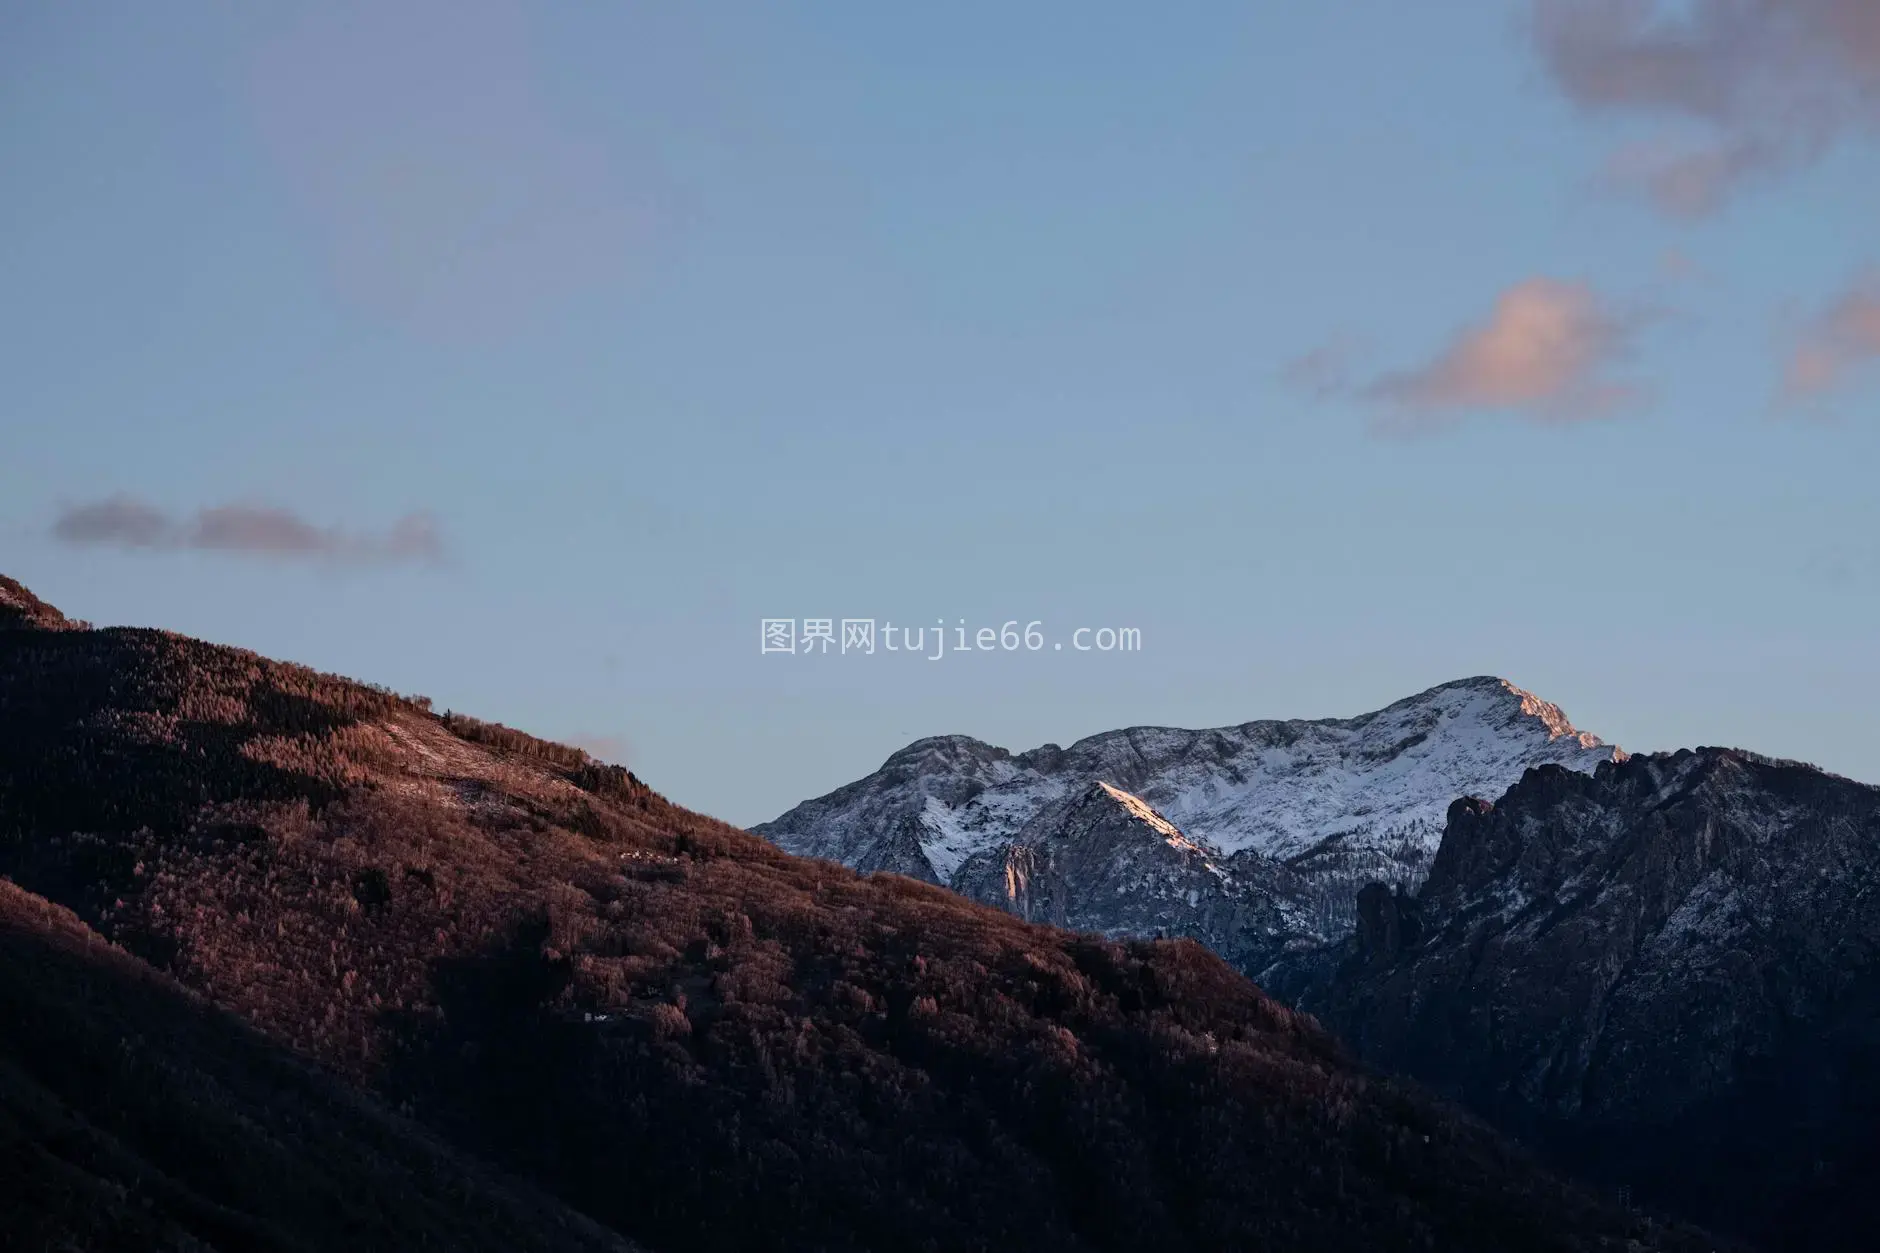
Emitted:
<point x="528" y="357"/>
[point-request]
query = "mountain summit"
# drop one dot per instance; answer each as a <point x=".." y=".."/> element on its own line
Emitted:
<point x="1293" y="816"/>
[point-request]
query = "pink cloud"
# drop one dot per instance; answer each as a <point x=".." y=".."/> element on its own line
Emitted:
<point x="1544" y="350"/>
<point x="1837" y="342"/>
<point x="1759" y="86"/>
<point x="1691" y="180"/>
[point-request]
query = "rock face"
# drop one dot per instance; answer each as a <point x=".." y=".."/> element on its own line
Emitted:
<point x="1103" y="860"/>
<point x="1279" y="823"/>
<point x="1667" y="972"/>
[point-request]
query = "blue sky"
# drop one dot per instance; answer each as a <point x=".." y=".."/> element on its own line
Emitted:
<point x="527" y="357"/>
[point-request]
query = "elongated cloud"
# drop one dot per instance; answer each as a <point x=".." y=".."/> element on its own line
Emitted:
<point x="120" y="521"/>
<point x="1545" y="350"/>
<point x="264" y="531"/>
<point x="1839" y="341"/>
<point x="1751" y="88"/>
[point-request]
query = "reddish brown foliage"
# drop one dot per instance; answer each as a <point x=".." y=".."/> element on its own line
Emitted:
<point x="135" y="1117"/>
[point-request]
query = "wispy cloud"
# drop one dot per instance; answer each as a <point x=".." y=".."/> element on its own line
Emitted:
<point x="264" y="531"/>
<point x="1752" y="88"/>
<point x="1325" y="370"/>
<point x="118" y="521"/>
<point x="1545" y="350"/>
<point x="1838" y="342"/>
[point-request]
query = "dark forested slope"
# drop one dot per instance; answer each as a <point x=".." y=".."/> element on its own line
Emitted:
<point x="682" y="1031"/>
<point x="134" y="1117"/>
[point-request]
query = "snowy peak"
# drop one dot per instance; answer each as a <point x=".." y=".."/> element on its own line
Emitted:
<point x="1550" y="717"/>
<point x="939" y="754"/>
<point x="1500" y="701"/>
<point x="1333" y="803"/>
<point x="1112" y="818"/>
<point x="1102" y="859"/>
<point x="1101" y="805"/>
<point x="1140" y="810"/>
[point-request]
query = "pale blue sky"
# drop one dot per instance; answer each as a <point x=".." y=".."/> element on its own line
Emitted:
<point x="671" y="318"/>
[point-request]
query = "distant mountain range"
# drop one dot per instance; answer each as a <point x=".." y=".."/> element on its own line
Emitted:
<point x="1254" y="838"/>
<point x="292" y="962"/>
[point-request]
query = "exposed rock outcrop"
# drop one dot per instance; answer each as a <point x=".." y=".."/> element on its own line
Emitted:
<point x="1667" y="971"/>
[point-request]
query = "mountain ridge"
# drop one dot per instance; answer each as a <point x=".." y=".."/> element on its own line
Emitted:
<point x="1327" y="804"/>
<point x="1666" y="973"/>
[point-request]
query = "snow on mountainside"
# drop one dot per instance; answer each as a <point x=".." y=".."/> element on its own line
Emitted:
<point x="1103" y="860"/>
<point x="1317" y="807"/>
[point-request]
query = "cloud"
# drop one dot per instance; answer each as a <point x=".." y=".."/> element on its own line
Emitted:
<point x="1326" y="370"/>
<point x="1689" y="180"/>
<point x="1837" y="342"/>
<point x="1752" y="87"/>
<point x="119" y="521"/>
<point x="449" y="187"/>
<point x="1544" y="350"/>
<point x="264" y="531"/>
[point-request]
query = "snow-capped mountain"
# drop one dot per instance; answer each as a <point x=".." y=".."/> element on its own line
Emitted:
<point x="1286" y="819"/>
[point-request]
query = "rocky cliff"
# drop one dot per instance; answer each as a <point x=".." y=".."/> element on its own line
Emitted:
<point x="1667" y="972"/>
